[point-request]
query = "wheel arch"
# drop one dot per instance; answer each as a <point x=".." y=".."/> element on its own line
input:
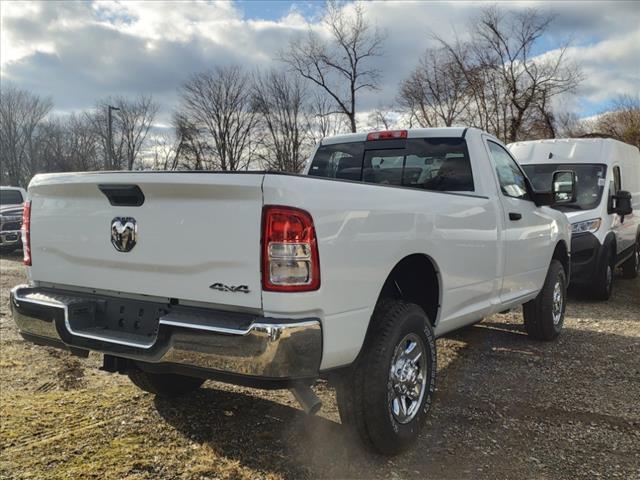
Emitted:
<point x="415" y="279"/>
<point x="561" y="253"/>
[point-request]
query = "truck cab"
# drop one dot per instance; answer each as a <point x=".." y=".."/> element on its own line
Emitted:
<point x="605" y="215"/>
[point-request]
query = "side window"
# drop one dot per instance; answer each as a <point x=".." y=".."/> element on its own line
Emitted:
<point x="617" y="181"/>
<point x="511" y="178"/>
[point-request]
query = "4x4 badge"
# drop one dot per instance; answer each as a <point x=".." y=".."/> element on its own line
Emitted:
<point x="230" y="288"/>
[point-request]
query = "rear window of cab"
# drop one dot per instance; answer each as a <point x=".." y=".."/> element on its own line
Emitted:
<point x="438" y="164"/>
<point x="10" y="197"/>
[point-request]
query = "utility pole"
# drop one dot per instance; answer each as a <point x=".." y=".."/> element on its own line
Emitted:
<point x="109" y="138"/>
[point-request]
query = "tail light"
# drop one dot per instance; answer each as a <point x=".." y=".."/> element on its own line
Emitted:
<point x="26" y="233"/>
<point x="387" y="135"/>
<point x="290" y="261"/>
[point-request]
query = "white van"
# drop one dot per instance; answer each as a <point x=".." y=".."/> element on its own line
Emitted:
<point x="605" y="215"/>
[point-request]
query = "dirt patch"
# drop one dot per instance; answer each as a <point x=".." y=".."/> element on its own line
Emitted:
<point x="70" y="372"/>
<point x="506" y="407"/>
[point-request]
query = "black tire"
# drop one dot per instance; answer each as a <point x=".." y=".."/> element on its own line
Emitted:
<point x="632" y="264"/>
<point x="365" y="394"/>
<point x="544" y="316"/>
<point x="164" y="384"/>
<point x="602" y="285"/>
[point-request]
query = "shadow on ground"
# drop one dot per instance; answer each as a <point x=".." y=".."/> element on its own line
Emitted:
<point x="501" y="401"/>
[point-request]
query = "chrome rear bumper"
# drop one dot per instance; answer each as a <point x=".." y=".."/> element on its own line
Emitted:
<point x="213" y="340"/>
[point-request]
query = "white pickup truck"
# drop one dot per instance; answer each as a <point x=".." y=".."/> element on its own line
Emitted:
<point x="348" y="272"/>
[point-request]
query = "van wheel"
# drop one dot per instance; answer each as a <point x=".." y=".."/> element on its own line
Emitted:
<point x="603" y="282"/>
<point x="164" y="384"/>
<point x="631" y="265"/>
<point x="544" y="315"/>
<point x="386" y="395"/>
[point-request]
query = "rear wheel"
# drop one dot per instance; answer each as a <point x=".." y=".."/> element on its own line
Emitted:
<point x="603" y="283"/>
<point x="631" y="265"/>
<point x="544" y="315"/>
<point x="386" y="395"/>
<point x="164" y="384"/>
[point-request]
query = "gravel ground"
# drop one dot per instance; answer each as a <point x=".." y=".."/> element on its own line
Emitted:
<point x="506" y="407"/>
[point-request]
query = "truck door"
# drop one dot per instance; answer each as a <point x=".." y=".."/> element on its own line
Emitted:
<point x="625" y="232"/>
<point x="527" y="230"/>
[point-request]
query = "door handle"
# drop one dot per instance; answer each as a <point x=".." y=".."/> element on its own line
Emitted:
<point x="515" y="216"/>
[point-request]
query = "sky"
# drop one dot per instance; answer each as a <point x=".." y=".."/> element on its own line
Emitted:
<point x="79" y="52"/>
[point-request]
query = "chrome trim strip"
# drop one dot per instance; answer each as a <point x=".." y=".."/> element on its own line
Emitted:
<point x="263" y="327"/>
<point x="205" y="328"/>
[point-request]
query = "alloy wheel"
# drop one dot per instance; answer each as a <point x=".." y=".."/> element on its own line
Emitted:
<point x="407" y="378"/>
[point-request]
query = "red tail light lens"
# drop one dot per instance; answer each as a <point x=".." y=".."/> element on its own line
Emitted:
<point x="290" y="261"/>
<point x="26" y="233"/>
<point x="387" y="135"/>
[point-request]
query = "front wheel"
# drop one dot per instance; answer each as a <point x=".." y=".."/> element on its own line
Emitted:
<point x="544" y="315"/>
<point x="164" y="384"/>
<point x="602" y="285"/>
<point x="386" y="395"/>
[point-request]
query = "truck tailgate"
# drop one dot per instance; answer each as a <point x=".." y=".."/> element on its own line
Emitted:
<point x="198" y="235"/>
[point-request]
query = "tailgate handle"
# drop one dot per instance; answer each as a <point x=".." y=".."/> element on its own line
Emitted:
<point x="123" y="195"/>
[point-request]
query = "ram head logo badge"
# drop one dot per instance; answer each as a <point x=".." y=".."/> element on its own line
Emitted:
<point x="124" y="233"/>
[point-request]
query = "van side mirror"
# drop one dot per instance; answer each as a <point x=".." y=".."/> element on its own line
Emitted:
<point x="622" y="203"/>
<point x="563" y="186"/>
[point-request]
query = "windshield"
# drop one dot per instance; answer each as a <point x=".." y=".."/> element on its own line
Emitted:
<point x="440" y="164"/>
<point x="10" y="197"/>
<point x="590" y="180"/>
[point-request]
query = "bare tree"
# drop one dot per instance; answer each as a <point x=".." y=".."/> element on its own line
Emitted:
<point x="623" y="121"/>
<point x="340" y="66"/>
<point x="193" y="152"/>
<point x="436" y="93"/>
<point x="135" y="117"/>
<point x="381" y="118"/>
<point x="21" y="112"/>
<point x="130" y="127"/>
<point x="508" y="84"/>
<point x="50" y="146"/>
<point x="218" y="103"/>
<point x="83" y="144"/>
<point x="98" y="119"/>
<point x="166" y="151"/>
<point x="322" y="121"/>
<point x="279" y="101"/>
<point x="67" y="143"/>
<point x="504" y="45"/>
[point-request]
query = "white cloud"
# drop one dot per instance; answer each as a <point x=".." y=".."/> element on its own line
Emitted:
<point x="78" y="52"/>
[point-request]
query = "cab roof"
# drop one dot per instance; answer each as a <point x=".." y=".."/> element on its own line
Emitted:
<point x="447" y="132"/>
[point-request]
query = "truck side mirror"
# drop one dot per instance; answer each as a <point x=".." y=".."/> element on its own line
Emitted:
<point x="622" y="203"/>
<point x="563" y="186"/>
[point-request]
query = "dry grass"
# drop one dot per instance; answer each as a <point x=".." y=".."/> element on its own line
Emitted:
<point x="506" y="407"/>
